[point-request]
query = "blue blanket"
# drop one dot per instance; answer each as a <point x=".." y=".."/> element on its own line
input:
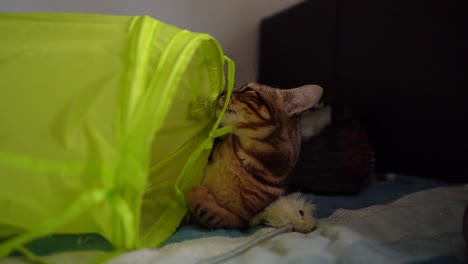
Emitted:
<point x="380" y="192"/>
<point x="422" y="227"/>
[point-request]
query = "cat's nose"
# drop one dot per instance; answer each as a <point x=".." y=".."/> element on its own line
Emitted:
<point x="221" y="101"/>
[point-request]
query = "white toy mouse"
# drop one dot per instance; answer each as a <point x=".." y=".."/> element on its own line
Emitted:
<point x="294" y="209"/>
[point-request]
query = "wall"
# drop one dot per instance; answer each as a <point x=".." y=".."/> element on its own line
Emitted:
<point x="233" y="23"/>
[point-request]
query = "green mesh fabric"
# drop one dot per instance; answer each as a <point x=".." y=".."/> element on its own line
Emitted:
<point x="105" y="122"/>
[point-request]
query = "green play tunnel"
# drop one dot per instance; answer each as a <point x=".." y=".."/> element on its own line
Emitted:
<point x="105" y="122"/>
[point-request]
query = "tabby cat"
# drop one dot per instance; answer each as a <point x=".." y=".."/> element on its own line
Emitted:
<point x="248" y="169"/>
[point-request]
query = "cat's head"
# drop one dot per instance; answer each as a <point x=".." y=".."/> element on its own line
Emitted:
<point x="255" y="106"/>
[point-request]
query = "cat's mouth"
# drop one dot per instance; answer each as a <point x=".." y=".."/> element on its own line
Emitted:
<point x="220" y="106"/>
<point x="229" y="109"/>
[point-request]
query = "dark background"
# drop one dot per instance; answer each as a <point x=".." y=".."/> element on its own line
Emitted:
<point x="401" y="65"/>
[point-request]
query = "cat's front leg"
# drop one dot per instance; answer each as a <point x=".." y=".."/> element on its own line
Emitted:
<point x="206" y="210"/>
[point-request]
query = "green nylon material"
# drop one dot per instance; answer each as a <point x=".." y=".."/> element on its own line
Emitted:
<point x="105" y="122"/>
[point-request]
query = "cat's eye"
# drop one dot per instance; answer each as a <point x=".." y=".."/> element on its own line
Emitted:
<point x="301" y="213"/>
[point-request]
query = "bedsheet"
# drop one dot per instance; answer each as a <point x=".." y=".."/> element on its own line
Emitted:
<point x="423" y="227"/>
<point x="408" y="220"/>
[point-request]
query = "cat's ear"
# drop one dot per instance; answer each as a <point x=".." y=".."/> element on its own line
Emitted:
<point x="297" y="100"/>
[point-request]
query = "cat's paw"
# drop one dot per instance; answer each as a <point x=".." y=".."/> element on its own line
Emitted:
<point x="200" y="202"/>
<point x="206" y="211"/>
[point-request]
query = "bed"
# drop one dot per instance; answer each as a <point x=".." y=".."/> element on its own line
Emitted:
<point x="403" y="220"/>
<point x="415" y="216"/>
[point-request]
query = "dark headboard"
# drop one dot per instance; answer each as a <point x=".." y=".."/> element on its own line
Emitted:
<point x="401" y="65"/>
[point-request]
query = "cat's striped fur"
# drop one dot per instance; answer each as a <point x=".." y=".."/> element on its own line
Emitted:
<point x="248" y="169"/>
